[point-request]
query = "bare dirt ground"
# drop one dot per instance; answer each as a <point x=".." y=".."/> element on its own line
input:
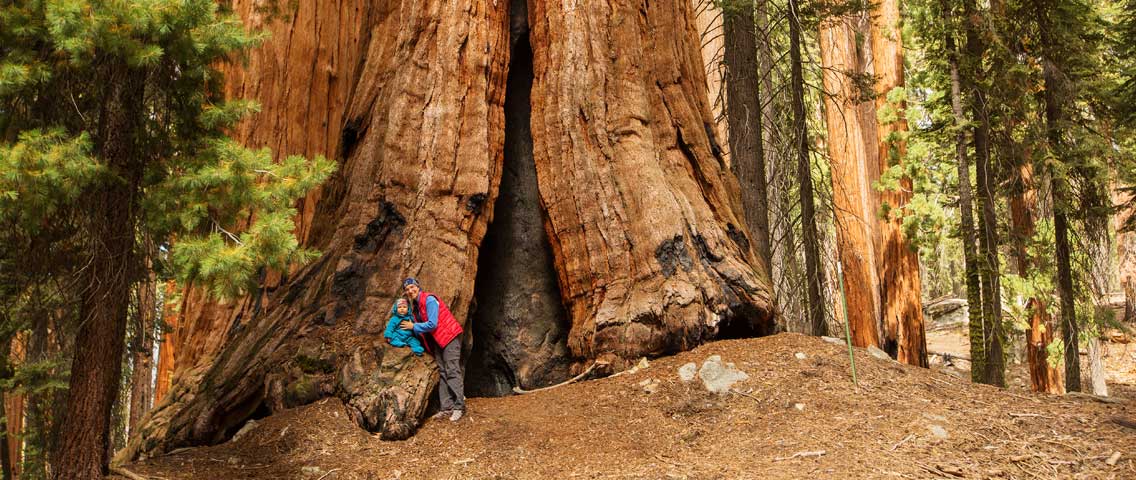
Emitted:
<point x="793" y="418"/>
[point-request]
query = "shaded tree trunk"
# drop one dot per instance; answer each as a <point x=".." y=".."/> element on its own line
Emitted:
<point x="1024" y="209"/>
<point x="990" y="322"/>
<point x="640" y="210"/>
<point x="1054" y="113"/>
<point x="107" y="280"/>
<point x="966" y="210"/>
<point x="852" y="150"/>
<point x="743" y="114"/>
<point x="900" y="285"/>
<point x="142" y="349"/>
<point x="814" y="276"/>
<point x="1098" y="248"/>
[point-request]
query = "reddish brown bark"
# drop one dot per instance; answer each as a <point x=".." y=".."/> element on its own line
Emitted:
<point x="641" y="212"/>
<point x="167" y="347"/>
<point x="13" y="412"/>
<point x="1044" y="377"/>
<point x="649" y="206"/>
<point x="83" y="448"/>
<point x="898" y="262"/>
<point x="852" y="150"/>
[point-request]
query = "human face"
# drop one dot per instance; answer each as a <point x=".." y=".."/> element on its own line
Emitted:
<point x="411" y="291"/>
<point x="402" y="309"/>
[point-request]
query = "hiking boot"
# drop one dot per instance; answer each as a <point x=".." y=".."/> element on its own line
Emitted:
<point x="441" y="414"/>
<point x="456" y="415"/>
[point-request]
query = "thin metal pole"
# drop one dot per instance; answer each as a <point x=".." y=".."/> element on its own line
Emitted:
<point x="847" y="331"/>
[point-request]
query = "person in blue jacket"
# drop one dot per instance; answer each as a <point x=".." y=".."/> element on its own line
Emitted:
<point x="397" y="337"/>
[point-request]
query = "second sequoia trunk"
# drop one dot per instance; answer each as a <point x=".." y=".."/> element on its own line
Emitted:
<point x="642" y="216"/>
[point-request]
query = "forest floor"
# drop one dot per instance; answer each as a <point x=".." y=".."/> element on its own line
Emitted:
<point x="792" y="418"/>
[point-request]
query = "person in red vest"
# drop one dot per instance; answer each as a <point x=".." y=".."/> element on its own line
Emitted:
<point x="434" y="323"/>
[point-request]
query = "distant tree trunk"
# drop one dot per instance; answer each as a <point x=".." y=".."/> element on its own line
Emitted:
<point x="1125" y="255"/>
<point x="142" y="349"/>
<point x="1061" y="205"/>
<point x="636" y="195"/>
<point x="167" y="352"/>
<point x="712" y="38"/>
<point x="966" y="211"/>
<point x="743" y="114"/>
<point x="1098" y="248"/>
<point x="1069" y="329"/>
<point x="991" y="319"/>
<point x="6" y="370"/>
<point x="780" y="163"/>
<point x="106" y="281"/>
<point x="852" y="150"/>
<point x="900" y="285"/>
<point x="813" y="273"/>
<point x="1024" y="209"/>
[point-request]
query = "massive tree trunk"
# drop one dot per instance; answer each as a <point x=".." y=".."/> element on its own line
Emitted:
<point x="640" y="212"/>
<point x="743" y="114"/>
<point x="83" y="448"/>
<point x="900" y="285"/>
<point x="650" y="249"/>
<point x="852" y="150"/>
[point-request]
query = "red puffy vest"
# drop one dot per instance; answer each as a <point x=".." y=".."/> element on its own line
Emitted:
<point x="447" y="328"/>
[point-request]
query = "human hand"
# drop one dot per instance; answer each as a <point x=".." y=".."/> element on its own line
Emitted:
<point x="405" y="325"/>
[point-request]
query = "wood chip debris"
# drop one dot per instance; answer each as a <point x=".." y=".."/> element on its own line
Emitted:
<point x="804" y="454"/>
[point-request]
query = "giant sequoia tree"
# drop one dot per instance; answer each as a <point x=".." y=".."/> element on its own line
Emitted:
<point x="641" y="215"/>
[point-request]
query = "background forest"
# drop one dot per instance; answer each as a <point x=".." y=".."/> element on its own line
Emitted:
<point x="889" y="154"/>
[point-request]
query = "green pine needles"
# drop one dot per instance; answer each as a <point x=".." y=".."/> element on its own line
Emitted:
<point x="225" y="209"/>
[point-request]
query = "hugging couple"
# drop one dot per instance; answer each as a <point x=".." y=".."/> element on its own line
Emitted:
<point x="422" y="322"/>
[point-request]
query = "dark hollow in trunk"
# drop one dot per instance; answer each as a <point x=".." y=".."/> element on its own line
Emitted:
<point x="520" y="326"/>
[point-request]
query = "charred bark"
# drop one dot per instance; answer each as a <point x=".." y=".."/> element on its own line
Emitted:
<point x="520" y="327"/>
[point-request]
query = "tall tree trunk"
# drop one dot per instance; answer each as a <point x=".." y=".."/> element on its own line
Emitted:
<point x="852" y="151"/>
<point x="142" y="348"/>
<point x="813" y="273"/>
<point x="1024" y="208"/>
<point x="780" y="163"/>
<point x="743" y="114"/>
<point x="900" y="285"/>
<point x="966" y="210"/>
<point x="107" y="280"/>
<point x="990" y="321"/>
<point x="712" y="38"/>
<point x="1054" y="113"/>
<point x="1098" y="247"/>
<point x="636" y="196"/>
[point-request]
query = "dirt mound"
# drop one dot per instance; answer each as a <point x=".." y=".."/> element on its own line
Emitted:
<point x="792" y="418"/>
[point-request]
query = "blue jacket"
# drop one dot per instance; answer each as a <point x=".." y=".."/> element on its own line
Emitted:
<point x="398" y="335"/>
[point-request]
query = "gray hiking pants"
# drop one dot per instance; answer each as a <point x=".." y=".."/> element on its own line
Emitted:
<point x="451" y="392"/>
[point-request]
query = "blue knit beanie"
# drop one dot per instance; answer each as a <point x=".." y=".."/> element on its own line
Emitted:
<point x="409" y="281"/>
